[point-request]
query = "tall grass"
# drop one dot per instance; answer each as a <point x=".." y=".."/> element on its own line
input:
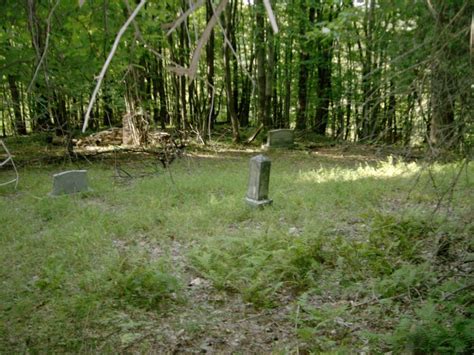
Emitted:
<point x="96" y="271"/>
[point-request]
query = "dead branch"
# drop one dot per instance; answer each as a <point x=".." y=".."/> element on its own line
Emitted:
<point x="46" y="44"/>
<point x="256" y="133"/>
<point x="9" y="159"/>
<point x="271" y="16"/>
<point x="183" y="17"/>
<point x="191" y="71"/>
<point x="107" y="62"/>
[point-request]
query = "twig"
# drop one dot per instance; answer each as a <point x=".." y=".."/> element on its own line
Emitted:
<point x="10" y="159"/>
<point x="450" y="190"/>
<point x="451" y="294"/>
<point x="109" y="59"/>
<point x="377" y="300"/>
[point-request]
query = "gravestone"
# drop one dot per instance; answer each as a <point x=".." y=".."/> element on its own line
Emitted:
<point x="69" y="182"/>
<point x="280" y="138"/>
<point x="259" y="179"/>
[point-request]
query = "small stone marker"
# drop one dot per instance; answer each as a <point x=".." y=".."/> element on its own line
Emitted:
<point x="69" y="182"/>
<point x="280" y="138"/>
<point x="259" y="178"/>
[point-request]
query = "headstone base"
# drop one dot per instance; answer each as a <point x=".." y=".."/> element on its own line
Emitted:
<point x="258" y="203"/>
<point x="266" y="147"/>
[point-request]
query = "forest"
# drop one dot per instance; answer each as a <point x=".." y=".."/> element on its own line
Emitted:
<point x="146" y="205"/>
<point x="395" y="71"/>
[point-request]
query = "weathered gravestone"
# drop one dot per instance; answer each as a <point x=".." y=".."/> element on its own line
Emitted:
<point x="69" y="182"/>
<point x="259" y="179"/>
<point x="280" y="138"/>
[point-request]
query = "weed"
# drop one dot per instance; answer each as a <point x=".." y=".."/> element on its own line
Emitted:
<point x="144" y="284"/>
<point x="436" y="328"/>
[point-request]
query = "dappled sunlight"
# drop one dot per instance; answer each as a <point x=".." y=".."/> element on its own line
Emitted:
<point x="386" y="169"/>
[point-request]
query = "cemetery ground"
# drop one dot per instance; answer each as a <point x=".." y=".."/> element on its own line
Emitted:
<point x="360" y="251"/>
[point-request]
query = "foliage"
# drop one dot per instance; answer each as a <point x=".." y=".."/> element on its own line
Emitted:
<point x="389" y="71"/>
<point x="445" y="328"/>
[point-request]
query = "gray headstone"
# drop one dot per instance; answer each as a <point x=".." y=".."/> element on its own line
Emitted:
<point x="259" y="179"/>
<point x="280" y="138"/>
<point x="69" y="182"/>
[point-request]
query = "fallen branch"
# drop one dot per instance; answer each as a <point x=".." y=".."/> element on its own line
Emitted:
<point x="256" y="133"/>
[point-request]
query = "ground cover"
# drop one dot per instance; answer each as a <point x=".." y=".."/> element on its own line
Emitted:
<point x="359" y="252"/>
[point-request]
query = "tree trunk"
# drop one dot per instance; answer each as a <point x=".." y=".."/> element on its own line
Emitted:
<point x="20" y="127"/>
<point x="324" y="88"/>
<point x="269" y="79"/>
<point x="228" y="78"/>
<point x="304" y="71"/>
<point x="211" y="90"/>
<point x="260" y="52"/>
<point x="442" y="129"/>
<point x="288" y="82"/>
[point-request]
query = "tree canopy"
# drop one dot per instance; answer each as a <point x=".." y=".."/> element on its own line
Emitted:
<point x="391" y="71"/>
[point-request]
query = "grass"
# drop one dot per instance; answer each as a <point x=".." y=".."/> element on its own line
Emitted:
<point x="351" y="256"/>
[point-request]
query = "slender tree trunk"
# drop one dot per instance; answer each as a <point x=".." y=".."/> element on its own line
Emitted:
<point x="303" y="71"/>
<point x="175" y="83"/>
<point x="260" y="51"/>
<point x="228" y="78"/>
<point x="391" y="115"/>
<point x="211" y="90"/>
<point x="184" y="47"/>
<point x="324" y="88"/>
<point x="446" y="87"/>
<point x="19" y="124"/>
<point x="288" y="82"/>
<point x="244" y="112"/>
<point x="161" y="85"/>
<point x="324" y="68"/>
<point x="442" y="108"/>
<point x="269" y="79"/>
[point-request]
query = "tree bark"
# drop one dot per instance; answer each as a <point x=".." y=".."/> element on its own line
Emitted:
<point x="210" y="45"/>
<point x="20" y="127"/>
<point x="260" y="53"/>
<point x="269" y="79"/>
<point x="303" y="71"/>
<point x="228" y="78"/>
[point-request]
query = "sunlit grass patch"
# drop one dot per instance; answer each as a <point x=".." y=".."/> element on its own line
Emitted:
<point x="386" y="169"/>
